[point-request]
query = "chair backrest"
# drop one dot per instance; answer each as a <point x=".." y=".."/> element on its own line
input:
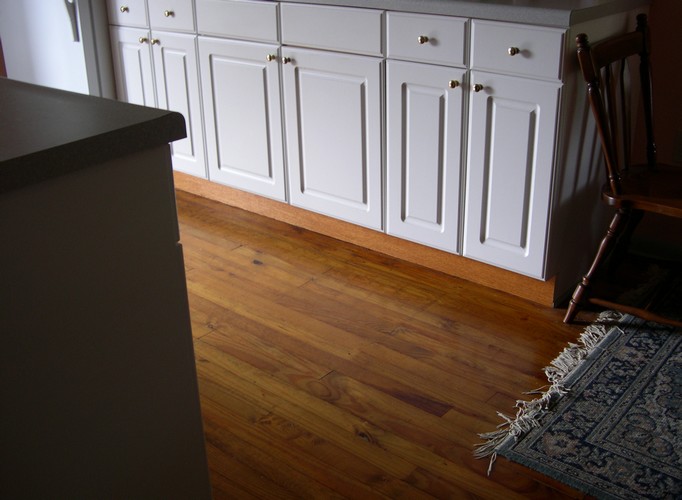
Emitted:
<point x="605" y="67"/>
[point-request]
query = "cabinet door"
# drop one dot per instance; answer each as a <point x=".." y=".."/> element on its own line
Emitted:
<point x="332" y="110"/>
<point x="132" y="58"/>
<point x="424" y="137"/>
<point x="510" y="167"/>
<point x="177" y="89"/>
<point x="240" y="88"/>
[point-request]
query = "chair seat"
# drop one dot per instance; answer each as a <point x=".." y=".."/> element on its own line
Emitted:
<point x="658" y="190"/>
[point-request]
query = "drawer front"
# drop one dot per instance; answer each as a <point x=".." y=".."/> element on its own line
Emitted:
<point x="127" y="13"/>
<point x="423" y="38"/>
<point x="238" y="19"/>
<point x="171" y="15"/>
<point x="335" y="28"/>
<point x="520" y="50"/>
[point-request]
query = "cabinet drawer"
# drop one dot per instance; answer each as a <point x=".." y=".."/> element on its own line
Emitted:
<point x="336" y="28"/>
<point x="515" y="49"/>
<point x="435" y="39"/>
<point x="172" y="15"/>
<point x="127" y="13"/>
<point x="238" y="19"/>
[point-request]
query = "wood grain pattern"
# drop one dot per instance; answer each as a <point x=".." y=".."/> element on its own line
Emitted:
<point x="330" y="371"/>
<point x="541" y="292"/>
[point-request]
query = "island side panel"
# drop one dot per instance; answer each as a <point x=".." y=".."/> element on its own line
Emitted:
<point x="97" y="376"/>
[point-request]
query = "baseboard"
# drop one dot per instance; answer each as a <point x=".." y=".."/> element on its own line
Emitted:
<point x="540" y="292"/>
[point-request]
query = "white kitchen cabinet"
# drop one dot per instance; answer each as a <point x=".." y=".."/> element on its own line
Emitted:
<point x="424" y="136"/>
<point x="241" y="94"/>
<point x="332" y="110"/>
<point x="462" y="131"/>
<point x="177" y="89"/>
<point x="133" y="71"/>
<point x="512" y="127"/>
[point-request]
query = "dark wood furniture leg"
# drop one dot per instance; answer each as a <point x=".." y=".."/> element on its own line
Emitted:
<point x="618" y="223"/>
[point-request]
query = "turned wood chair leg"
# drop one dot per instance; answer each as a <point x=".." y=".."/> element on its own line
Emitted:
<point x="606" y="246"/>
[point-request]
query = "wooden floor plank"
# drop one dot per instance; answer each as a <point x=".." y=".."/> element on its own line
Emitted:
<point x="398" y="331"/>
<point x="393" y="454"/>
<point x="329" y="371"/>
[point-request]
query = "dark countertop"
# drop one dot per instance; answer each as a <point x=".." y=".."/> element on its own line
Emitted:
<point x="46" y="133"/>
<point x="557" y="13"/>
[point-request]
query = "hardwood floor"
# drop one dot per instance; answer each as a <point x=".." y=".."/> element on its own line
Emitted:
<point x="328" y="371"/>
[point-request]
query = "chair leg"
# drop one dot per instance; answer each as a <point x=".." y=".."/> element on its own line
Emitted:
<point x="606" y="246"/>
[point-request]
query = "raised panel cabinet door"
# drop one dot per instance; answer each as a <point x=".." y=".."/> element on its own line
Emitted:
<point x="132" y="59"/>
<point x="242" y="110"/>
<point x="332" y="111"/>
<point x="424" y="138"/>
<point x="177" y="89"/>
<point x="512" y="127"/>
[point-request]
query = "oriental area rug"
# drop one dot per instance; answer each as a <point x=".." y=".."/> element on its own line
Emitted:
<point x="610" y="424"/>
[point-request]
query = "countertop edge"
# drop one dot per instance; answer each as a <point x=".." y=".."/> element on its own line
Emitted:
<point x="147" y="128"/>
<point x="41" y="165"/>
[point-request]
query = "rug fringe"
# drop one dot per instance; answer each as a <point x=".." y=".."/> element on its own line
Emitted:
<point x="529" y="412"/>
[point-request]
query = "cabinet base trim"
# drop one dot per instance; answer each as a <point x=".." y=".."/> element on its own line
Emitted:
<point x="541" y="292"/>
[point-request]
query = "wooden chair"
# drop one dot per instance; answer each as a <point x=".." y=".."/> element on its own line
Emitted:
<point x="632" y="190"/>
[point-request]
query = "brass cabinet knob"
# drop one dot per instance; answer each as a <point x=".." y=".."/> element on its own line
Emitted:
<point x="169" y="13"/>
<point x="124" y="9"/>
<point x="422" y="39"/>
<point x="155" y="41"/>
<point x="143" y="39"/>
<point x="477" y="87"/>
<point x="453" y="84"/>
<point x="286" y="60"/>
<point x="512" y="51"/>
<point x="270" y="57"/>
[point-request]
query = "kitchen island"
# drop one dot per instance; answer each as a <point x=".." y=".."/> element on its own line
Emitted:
<point x="97" y="376"/>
